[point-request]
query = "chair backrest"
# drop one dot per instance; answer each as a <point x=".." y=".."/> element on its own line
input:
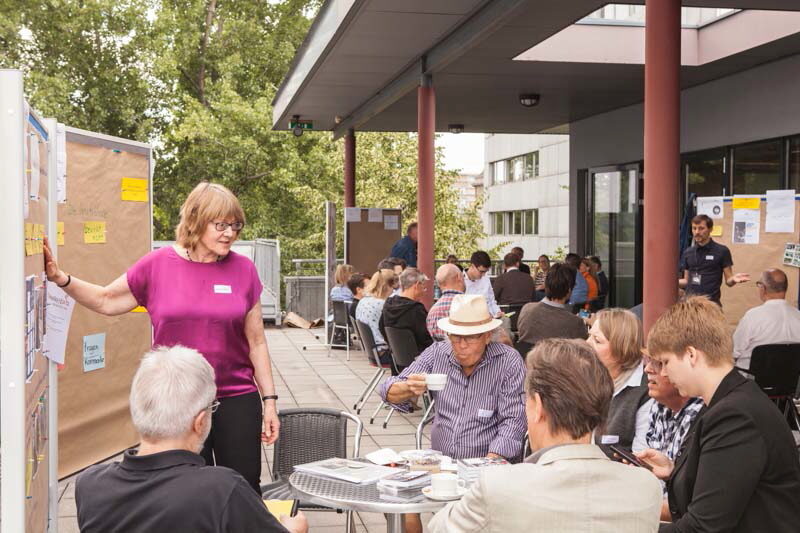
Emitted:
<point x="307" y="435"/>
<point x="368" y="341"/>
<point x="340" y="314"/>
<point x="776" y="368"/>
<point x="523" y="348"/>
<point x="403" y="346"/>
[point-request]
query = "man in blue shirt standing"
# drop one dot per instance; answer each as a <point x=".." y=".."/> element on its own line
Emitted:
<point x="406" y="248"/>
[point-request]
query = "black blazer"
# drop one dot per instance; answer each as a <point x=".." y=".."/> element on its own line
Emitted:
<point x="738" y="469"/>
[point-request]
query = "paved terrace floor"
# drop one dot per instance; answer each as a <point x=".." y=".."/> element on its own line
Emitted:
<point x="309" y="378"/>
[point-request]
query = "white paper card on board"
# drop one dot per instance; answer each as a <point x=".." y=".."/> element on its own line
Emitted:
<point x="780" y="211"/>
<point x="746" y="226"/>
<point x="711" y="206"/>
<point x="391" y="222"/>
<point x="375" y="215"/>
<point x="35" y="174"/>
<point x="94" y="352"/>
<point x="59" y="313"/>
<point x="61" y="163"/>
<point x="352" y="214"/>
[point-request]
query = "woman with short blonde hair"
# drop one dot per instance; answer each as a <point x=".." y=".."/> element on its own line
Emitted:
<point x="341" y="292"/>
<point x="370" y="307"/>
<point x="200" y="294"/>
<point x="617" y="339"/>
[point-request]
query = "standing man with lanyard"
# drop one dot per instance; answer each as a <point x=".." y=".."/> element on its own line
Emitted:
<point x="705" y="262"/>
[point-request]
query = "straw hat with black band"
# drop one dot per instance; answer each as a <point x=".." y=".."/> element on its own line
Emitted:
<point x="469" y="315"/>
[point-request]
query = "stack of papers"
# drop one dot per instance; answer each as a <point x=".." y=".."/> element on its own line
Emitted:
<point x="348" y="470"/>
<point x="404" y="481"/>
<point x="470" y="469"/>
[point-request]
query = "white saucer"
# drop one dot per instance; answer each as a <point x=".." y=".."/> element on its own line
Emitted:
<point x="428" y="492"/>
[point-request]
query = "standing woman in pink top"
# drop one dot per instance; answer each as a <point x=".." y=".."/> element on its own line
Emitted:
<point x="200" y="294"/>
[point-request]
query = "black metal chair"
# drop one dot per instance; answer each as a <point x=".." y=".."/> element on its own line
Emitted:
<point x="776" y="369"/>
<point x="404" y="350"/>
<point x="308" y="435"/>
<point x="341" y="321"/>
<point x="368" y="342"/>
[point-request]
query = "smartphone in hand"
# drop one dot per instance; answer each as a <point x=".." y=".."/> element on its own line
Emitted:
<point x="628" y="456"/>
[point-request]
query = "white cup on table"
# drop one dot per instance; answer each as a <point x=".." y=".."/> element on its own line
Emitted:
<point x="445" y="484"/>
<point x="435" y="382"/>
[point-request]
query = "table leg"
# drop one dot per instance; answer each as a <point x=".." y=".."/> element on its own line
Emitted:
<point x="395" y="523"/>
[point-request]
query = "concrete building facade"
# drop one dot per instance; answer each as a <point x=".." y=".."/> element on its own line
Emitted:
<point x="526" y="193"/>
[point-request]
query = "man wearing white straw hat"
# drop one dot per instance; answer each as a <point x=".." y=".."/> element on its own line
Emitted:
<point x="480" y="411"/>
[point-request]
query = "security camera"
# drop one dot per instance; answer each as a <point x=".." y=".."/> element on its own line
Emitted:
<point x="297" y="131"/>
<point x="529" y="100"/>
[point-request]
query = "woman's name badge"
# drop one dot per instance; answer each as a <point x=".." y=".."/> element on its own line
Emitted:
<point x="222" y="289"/>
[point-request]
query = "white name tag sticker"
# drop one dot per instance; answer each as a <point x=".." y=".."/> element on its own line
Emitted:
<point x="609" y="439"/>
<point x="485" y="413"/>
<point x="709" y="258"/>
<point x="222" y="289"/>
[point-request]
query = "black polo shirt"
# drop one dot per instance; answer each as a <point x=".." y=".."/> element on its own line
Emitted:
<point x="705" y="265"/>
<point x="168" y="492"/>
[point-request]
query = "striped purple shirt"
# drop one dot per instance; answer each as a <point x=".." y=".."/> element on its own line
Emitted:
<point x="475" y="415"/>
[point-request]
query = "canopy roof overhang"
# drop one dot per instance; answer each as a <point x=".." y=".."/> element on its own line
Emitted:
<point x="362" y="61"/>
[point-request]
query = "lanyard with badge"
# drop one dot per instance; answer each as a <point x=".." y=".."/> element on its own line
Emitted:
<point x="696" y="278"/>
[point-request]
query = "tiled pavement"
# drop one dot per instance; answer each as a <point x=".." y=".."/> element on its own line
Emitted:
<point x="309" y="378"/>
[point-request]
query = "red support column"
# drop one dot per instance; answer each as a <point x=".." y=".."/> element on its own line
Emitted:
<point x="661" y="156"/>
<point x="426" y="163"/>
<point x="350" y="169"/>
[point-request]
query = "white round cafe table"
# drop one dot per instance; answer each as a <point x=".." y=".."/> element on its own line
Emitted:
<point x="359" y="498"/>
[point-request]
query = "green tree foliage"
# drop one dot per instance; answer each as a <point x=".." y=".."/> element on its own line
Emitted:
<point x="197" y="78"/>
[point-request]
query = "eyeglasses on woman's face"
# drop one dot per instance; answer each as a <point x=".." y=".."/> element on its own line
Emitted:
<point x="222" y="226"/>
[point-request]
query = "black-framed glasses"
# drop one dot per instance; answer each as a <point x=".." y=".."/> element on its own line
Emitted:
<point x="465" y="339"/>
<point x="235" y="226"/>
<point x="213" y="406"/>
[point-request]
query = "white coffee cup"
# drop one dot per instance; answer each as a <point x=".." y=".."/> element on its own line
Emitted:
<point x="435" y="381"/>
<point x="446" y="484"/>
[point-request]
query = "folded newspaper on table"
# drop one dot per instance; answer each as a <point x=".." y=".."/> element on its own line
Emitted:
<point x="348" y="470"/>
<point x="469" y="469"/>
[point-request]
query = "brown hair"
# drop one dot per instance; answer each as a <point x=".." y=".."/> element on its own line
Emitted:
<point x="207" y="202"/>
<point x="343" y="273"/>
<point x="697" y="322"/>
<point x="574" y="386"/>
<point x="382" y="283"/>
<point x="699" y="219"/>
<point x="624" y="333"/>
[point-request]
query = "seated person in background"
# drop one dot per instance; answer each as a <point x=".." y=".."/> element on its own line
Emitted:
<point x="580" y="292"/>
<point x="356" y="284"/>
<point x="341" y="292"/>
<point x="165" y="486"/>
<point x="451" y="282"/>
<point x="406" y="248"/>
<point x="522" y="266"/>
<point x="602" y="283"/>
<point x="406" y="311"/>
<point x="476" y="280"/>
<point x="738" y="470"/>
<point x="672" y="415"/>
<point x="513" y="287"/>
<point x="480" y="411"/>
<point x="370" y="308"/>
<point x="617" y="338"/>
<point x="538" y="280"/>
<point x="552" y="317"/>
<point x="585" y="269"/>
<point x="453" y="260"/>
<point x="774" y="321"/>
<point x="568" y="485"/>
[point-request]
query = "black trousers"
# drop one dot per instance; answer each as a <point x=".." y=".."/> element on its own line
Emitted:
<point x="235" y="438"/>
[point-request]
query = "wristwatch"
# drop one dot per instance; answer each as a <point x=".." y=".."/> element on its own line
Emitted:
<point x="269" y="397"/>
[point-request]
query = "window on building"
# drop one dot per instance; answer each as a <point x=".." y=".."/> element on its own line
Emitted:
<point x="518" y="165"/>
<point x="706" y="172"/>
<point x="531" y="222"/>
<point x="794" y="163"/>
<point x="497" y="224"/>
<point x="757" y="168"/>
<point x="514" y="219"/>
<point x="531" y="165"/>
<point x="499" y="173"/>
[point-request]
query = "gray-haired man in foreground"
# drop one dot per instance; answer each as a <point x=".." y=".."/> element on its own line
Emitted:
<point x="165" y="485"/>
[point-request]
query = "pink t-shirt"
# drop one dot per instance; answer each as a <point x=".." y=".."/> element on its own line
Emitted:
<point x="202" y="306"/>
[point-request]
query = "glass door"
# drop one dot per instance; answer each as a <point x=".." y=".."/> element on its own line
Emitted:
<point x="616" y="230"/>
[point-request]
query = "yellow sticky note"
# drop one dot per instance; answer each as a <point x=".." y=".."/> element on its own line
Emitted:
<point x="746" y="203"/>
<point x="94" y="232"/>
<point x="60" y="233"/>
<point x="134" y="190"/>
<point x="29" y="249"/>
<point x="716" y="231"/>
<point x="139" y="309"/>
